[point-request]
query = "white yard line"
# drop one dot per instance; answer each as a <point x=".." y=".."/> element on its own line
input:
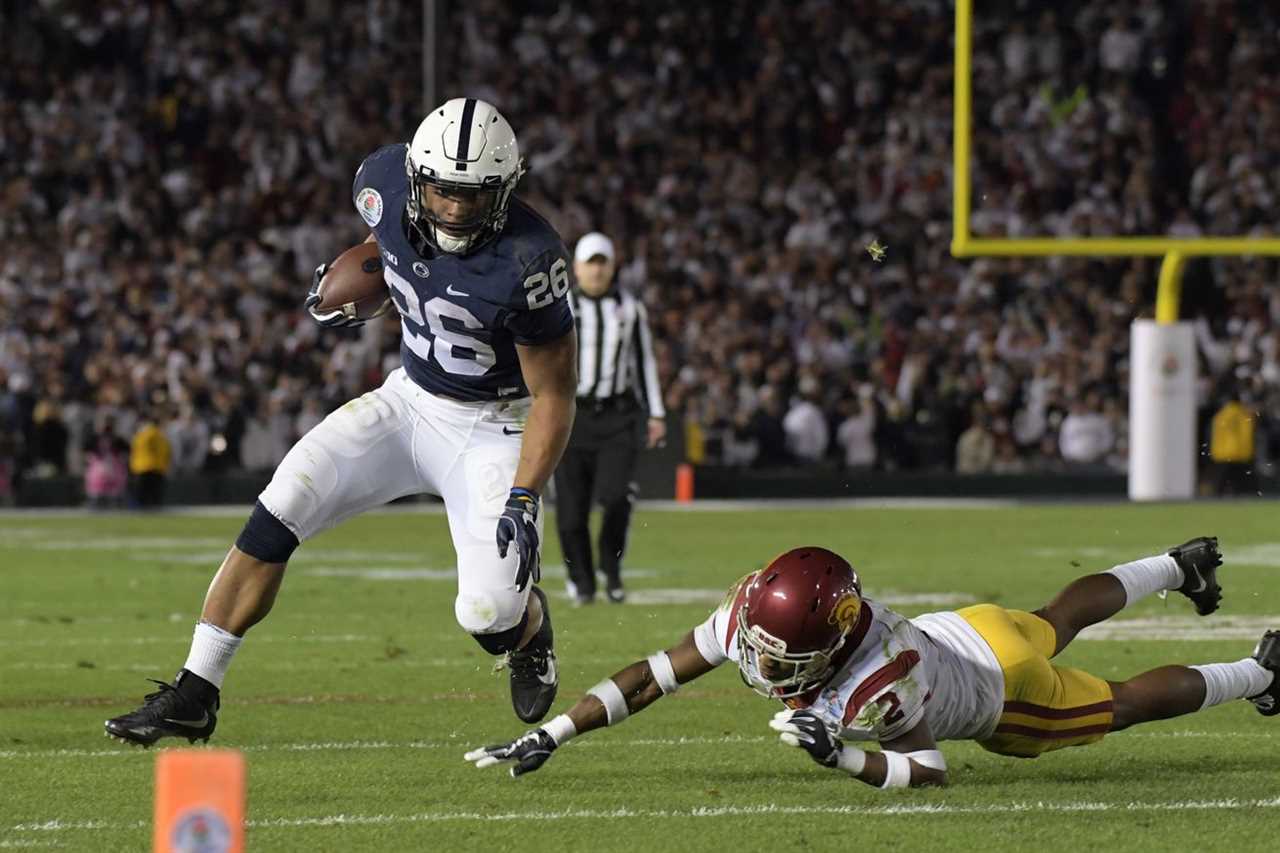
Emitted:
<point x="775" y="504"/>
<point x="345" y="745"/>
<point x="316" y="567"/>
<point x="409" y="660"/>
<point x="1182" y="628"/>
<point x="462" y="745"/>
<point x="27" y="843"/>
<point x="1257" y="555"/>
<point x="775" y="809"/>
<point x="909" y="810"/>
<point x="184" y="638"/>
<point x="745" y="505"/>
<point x="1148" y="628"/>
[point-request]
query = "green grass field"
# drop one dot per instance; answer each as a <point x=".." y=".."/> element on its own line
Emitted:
<point x="355" y="700"/>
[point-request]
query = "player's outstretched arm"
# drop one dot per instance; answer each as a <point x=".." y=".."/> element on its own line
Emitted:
<point x="626" y="692"/>
<point x="912" y="760"/>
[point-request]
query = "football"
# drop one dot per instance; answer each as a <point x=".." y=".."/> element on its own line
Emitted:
<point x="354" y="284"/>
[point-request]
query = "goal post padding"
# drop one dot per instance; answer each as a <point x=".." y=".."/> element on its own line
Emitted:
<point x="1162" y="411"/>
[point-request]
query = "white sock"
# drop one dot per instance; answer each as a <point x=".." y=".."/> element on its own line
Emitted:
<point x="1150" y="574"/>
<point x="1226" y="681"/>
<point x="211" y="651"/>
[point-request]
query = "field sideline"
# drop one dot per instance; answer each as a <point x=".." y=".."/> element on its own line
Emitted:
<point x="355" y="700"/>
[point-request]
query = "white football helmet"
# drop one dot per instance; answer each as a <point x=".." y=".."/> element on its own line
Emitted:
<point x="463" y="164"/>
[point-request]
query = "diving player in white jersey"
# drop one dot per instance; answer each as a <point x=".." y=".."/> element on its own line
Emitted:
<point x="479" y="414"/>
<point x="849" y="669"/>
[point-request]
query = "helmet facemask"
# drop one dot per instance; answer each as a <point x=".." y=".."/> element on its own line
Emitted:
<point x="771" y="670"/>
<point x="481" y="208"/>
<point x="463" y="163"/>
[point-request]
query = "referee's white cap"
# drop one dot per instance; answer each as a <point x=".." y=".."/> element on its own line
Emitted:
<point x="590" y="245"/>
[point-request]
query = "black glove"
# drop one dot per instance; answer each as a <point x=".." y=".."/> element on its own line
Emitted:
<point x="519" y="522"/>
<point x="529" y="752"/>
<point x="329" y="319"/>
<point x="807" y="731"/>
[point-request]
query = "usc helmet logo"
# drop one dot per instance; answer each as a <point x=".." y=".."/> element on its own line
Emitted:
<point x="846" y="611"/>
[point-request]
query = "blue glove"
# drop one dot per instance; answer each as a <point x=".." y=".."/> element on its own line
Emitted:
<point x="805" y="730"/>
<point x="329" y="319"/>
<point x="519" y="522"/>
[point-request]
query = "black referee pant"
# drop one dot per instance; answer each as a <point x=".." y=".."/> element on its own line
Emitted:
<point x="600" y="460"/>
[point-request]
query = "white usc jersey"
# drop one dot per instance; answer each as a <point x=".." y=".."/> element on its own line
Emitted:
<point x="900" y="671"/>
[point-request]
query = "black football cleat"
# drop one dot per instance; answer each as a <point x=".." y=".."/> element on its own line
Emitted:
<point x="166" y="713"/>
<point x="1268" y="654"/>
<point x="534" y="677"/>
<point x="1199" y="560"/>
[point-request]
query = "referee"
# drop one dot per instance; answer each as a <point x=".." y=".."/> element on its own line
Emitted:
<point x="619" y="406"/>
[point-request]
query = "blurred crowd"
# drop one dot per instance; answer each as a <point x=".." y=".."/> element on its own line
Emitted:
<point x="170" y="175"/>
<point x="171" y="172"/>
<point x="752" y="159"/>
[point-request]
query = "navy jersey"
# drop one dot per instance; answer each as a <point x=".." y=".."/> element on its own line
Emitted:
<point x="461" y="316"/>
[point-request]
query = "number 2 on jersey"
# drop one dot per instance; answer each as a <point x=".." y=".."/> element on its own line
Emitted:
<point x="454" y="350"/>
<point x="894" y="712"/>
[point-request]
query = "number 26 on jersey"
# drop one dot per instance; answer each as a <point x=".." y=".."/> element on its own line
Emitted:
<point x="542" y="288"/>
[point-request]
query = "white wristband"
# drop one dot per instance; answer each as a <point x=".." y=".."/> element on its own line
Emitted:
<point x="615" y="704"/>
<point x="561" y="729"/>
<point x="663" y="672"/>
<point x="897" y="770"/>
<point x="930" y="758"/>
<point x="851" y="760"/>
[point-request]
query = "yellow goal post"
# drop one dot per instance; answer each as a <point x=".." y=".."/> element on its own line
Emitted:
<point x="1174" y="250"/>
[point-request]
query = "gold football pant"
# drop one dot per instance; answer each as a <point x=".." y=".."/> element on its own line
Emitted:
<point x="1046" y="707"/>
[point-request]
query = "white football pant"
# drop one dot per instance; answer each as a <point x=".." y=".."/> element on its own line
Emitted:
<point x="401" y="440"/>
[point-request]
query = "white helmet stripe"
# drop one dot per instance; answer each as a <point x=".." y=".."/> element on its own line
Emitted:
<point x="464" y="133"/>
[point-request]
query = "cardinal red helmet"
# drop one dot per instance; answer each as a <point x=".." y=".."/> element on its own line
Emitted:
<point x="796" y="615"/>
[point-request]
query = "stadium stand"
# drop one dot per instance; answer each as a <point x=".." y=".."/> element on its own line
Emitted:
<point x="171" y="174"/>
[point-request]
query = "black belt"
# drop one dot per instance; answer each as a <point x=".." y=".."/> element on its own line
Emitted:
<point x="616" y="403"/>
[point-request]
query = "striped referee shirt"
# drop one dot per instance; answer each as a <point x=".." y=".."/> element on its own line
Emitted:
<point x="615" y="349"/>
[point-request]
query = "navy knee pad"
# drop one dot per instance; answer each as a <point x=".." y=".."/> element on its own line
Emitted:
<point x="266" y="538"/>
<point x="501" y="642"/>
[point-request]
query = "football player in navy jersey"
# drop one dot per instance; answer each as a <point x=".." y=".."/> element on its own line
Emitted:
<point x="479" y="414"/>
